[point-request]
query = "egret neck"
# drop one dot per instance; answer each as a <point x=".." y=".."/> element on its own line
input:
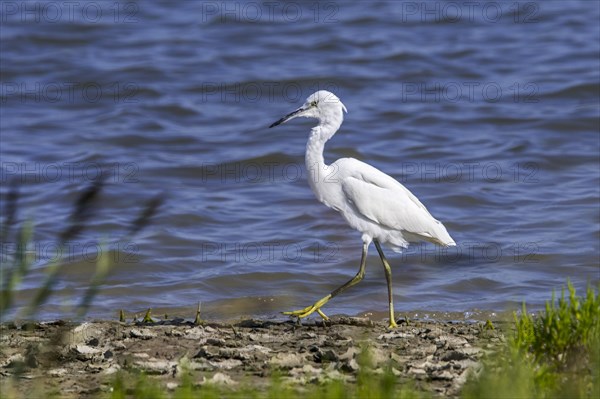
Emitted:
<point x="319" y="172"/>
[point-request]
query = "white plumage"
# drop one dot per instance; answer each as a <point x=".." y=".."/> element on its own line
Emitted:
<point x="375" y="204"/>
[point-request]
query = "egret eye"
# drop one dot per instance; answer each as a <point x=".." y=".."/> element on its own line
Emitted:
<point x="313" y="103"/>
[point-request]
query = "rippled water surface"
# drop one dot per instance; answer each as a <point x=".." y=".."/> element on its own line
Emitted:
<point x="489" y="113"/>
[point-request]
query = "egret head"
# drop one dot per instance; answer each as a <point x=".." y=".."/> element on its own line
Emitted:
<point x="322" y="105"/>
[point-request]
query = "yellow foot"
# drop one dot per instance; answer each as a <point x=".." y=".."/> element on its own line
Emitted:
<point x="301" y="312"/>
<point x="307" y="311"/>
<point x="393" y="324"/>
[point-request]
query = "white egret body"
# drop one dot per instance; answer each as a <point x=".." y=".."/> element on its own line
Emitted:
<point x="375" y="204"/>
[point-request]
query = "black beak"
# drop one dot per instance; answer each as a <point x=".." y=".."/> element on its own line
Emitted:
<point x="287" y="117"/>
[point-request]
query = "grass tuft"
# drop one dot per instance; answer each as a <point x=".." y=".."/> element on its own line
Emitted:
<point x="561" y="335"/>
<point x="555" y="354"/>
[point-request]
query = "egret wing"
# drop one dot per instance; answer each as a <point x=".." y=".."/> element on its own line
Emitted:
<point x="383" y="200"/>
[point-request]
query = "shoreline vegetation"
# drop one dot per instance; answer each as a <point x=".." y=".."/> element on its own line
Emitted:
<point x="552" y="354"/>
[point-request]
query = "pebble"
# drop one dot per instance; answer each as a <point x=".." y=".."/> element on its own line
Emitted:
<point x="219" y="379"/>
<point x="58" y="372"/>
<point x="155" y="366"/>
<point x="287" y="360"/>
<point x="171" y="386"/>
<point x="142" y="333"/>
<point x="85" y="352"/>
<point x="227" y="364"/>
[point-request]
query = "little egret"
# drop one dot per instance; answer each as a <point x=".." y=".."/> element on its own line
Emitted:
<point x="375" y="204"/>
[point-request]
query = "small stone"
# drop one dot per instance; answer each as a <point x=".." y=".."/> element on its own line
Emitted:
<point x="417" y="371"/>
<point x="85" y="352"/>
<point x="308" y="335"/>
<point x="423" y="350"/>
<point x="196" y="333"/>
<point x="454" y="355"/>
<point x="326" y="356"/>
<point x="257" y="351"/>
<point x="306" y="369"/>
<point x="14" y="360"/>
<point x="77" y="335"/>
<point x="171" y="386"/>
<point x="351" y="353"/>
<point x="329" y="356"/>
<point x="467" y="364"/>
<point x="201" y="365"/>
<point x="95" y="367"/>
<point x="450" y="342"/>
<point x="350" y="366"/>
<point x="155" y="366"/>
<point x="470" y="351"/>
<point x="207" y="352"/>
<point x="287" y="360"/>
<point x="394" y="335"/>
<point x="119" y="346"/>
<point x="58" y="372"/>
<point x="227" y="364"/>
<point x="219" y="379"/>
<point x="113" y="368"/>
<point x="141" y="333"/>
<point x="427" y="364"/>
<point x="215" y="342"/>
<point x="444" y="375"/>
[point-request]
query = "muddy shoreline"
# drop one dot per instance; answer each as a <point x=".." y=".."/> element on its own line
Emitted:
<point x="80" y="360"/>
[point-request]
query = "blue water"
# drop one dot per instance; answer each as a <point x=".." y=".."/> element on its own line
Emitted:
<point x="488" y="112"/>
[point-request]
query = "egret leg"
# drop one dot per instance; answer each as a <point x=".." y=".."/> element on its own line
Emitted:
<point x="388" y="277"/>
<point x="316" y="307"/>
